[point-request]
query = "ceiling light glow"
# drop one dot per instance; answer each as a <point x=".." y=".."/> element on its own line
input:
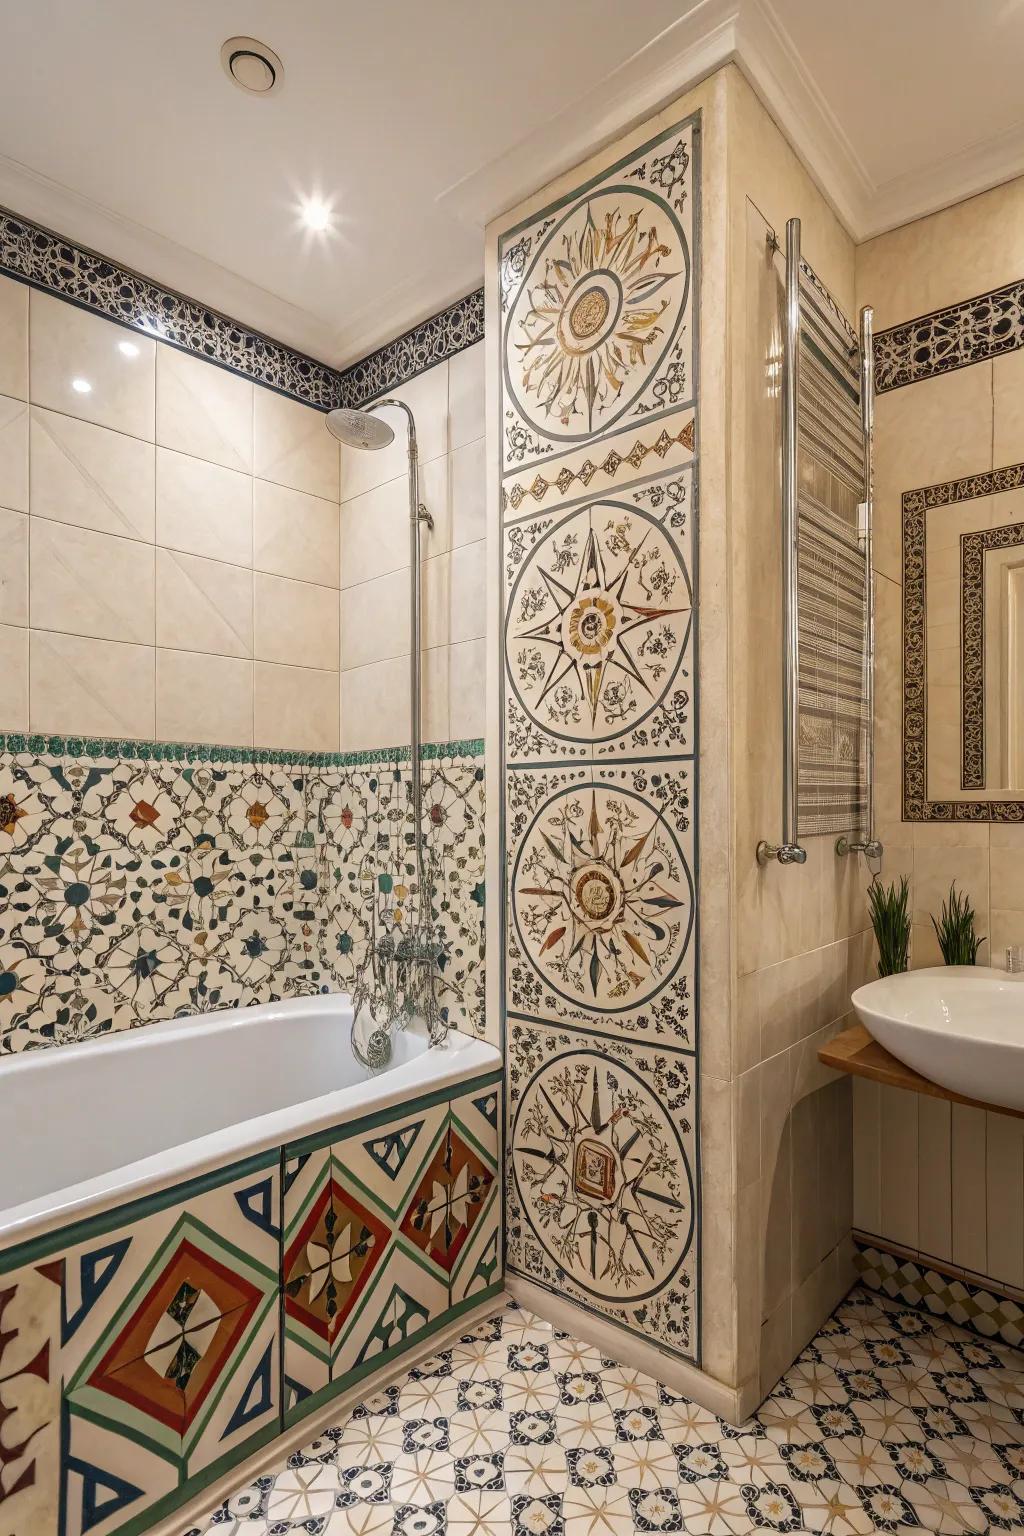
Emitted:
<point x="81" y="386"/>
<point x="316" y="214"/>
<point x="128" y="349"/>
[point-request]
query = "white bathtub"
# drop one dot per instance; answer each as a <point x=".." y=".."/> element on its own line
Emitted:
<point x="88" y="1126"/>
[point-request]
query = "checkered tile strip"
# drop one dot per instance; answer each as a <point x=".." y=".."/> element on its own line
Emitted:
<point x="987" y="1313"/>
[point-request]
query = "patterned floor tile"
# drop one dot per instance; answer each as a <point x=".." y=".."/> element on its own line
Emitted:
<point x="888" y="1422"/>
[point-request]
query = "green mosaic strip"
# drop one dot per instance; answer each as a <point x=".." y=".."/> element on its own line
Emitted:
<point x="97" y="747"/>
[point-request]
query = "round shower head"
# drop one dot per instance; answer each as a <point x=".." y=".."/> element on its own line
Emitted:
<point x="358" y="429"/>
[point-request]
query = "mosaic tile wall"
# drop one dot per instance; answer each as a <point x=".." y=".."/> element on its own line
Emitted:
<point x="140" y="881"/>
<point x="598" y="499"/>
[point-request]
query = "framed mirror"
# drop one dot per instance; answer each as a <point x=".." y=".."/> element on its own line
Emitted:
<point x="963" y="645"/>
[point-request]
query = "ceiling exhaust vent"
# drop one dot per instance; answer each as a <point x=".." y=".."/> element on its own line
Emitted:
<point x="252" y="66"/>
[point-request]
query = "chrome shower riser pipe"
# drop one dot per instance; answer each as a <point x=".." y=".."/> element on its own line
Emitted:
<point x="417" y="514"/>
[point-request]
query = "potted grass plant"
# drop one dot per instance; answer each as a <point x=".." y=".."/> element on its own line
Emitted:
<point x="890" y="918"/>
<point x="954" y="930"/>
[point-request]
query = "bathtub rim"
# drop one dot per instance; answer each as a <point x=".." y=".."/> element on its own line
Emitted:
<point x="246" y="1145"/>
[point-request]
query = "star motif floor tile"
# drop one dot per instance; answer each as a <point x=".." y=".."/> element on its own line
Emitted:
<point x="888" y="1422"/>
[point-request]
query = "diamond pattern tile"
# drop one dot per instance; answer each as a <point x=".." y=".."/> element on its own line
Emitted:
<point x="890" y="1421"/>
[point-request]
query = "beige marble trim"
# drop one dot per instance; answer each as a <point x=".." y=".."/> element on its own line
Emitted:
<point x="734" y="1404"/>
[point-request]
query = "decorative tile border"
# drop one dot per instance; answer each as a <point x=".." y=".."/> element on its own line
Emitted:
<point x="969" y="332"/>
<point x="973" y="548"/>
<point x="450" y="331"/>
<point x="942" y="1293"/>
<point x="198" y="752"/>
<point x="141" y="881"/>
<point x="43" y="259"/>
<point x="916" y="503"/>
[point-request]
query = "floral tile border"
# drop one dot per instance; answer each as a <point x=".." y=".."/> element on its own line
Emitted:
<point x="38" y="256"/>
<point x="972" y="331"/>
<point x="198" y="752"/>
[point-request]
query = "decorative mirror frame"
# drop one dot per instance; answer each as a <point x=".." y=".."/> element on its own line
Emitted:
<point x="916" y="504"/>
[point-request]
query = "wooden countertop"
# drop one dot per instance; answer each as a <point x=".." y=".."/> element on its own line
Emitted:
<point x="857" y="1052"/>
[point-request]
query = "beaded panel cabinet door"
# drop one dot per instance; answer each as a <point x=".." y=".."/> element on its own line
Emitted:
<point x="598" y="460"/>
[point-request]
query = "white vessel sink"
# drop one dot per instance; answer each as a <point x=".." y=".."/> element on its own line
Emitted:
<point x="962" y="1026"/>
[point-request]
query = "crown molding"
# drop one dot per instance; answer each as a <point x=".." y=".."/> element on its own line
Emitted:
<point x="84" y="222"/>
<point x="950" y="180"/>
<point x="688" y="51"/>
<point x="749" y="34"/>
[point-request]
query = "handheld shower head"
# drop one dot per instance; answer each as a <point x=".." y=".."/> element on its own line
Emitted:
<point x="358" y="429"/>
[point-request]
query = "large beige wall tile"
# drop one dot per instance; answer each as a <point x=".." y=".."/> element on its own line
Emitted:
<point x="202" y="508"/>
<point x="86" y="583"/>
<point x="292" y="446"/>
<point x="1007" y="867"/>
<point x="375" y="620"/>
<point x="203" y="605"/>
<point x="469" y="591"/>
<point x="14" y="567"/>
<point x="375" y="705"/>
<point x="949" y="256"/>
<point x="467" y="395"/>
<point x="935" y="869"/>
<point x="295" y="623"/>
<point x="375" y="527"/>
<point x="91" y="687"/>
<point x="937" y="429"/>
<point x="435" y="601"/>
<point x="92" y="476"/>
<point x="427" y="398"/>
<point x="435" y="694"/>
<point x="13" y="454"/>
<point x="469" y="493"/>
<point x="375" y="702"/>
<point x="1008" y="407"/>
<point x="295" y="707"/>
<point x="295" y="534"/>
<point x="467" y="668"/>
<point x="13" y="338"/>
<point x="14" y="669"/>
<point x="203" y="410"/>
<point x="119" y="366"/>
<point x="204" y="698"/>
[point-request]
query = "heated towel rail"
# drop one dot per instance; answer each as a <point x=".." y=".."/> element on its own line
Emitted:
<point x="828" y="609"/>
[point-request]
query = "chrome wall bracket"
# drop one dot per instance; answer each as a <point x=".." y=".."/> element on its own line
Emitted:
<point x="783" y="853"/>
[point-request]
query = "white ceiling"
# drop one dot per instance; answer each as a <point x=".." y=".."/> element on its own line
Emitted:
<point x="420" y="119"/>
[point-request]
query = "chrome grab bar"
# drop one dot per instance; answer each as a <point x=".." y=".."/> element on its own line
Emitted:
<point x="868" y="845"/>
<point x="789" y="850"/>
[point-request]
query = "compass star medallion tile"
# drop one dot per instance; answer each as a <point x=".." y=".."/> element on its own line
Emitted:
<point x="598" y="633"/>
<point x="601" y="900"/>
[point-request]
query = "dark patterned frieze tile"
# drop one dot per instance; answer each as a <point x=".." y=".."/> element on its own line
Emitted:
<point x="46" y="260"/>
<point x="969" y="332"/>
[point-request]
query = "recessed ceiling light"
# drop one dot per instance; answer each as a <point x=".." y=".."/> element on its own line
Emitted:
<point x="315" y="214"/>
<point x="251" y="65"/>
<point x="128" y="348"/>
<point x="81" y="386"/>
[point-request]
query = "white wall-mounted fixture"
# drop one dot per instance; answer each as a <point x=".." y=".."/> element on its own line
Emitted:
<point x="251" y="65"/>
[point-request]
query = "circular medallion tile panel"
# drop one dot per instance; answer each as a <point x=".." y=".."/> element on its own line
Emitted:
<point x="598" y="622"/>
<point x="602" y="1176"/>
<point x="602" y="897"/>
<point x="596" y="312"/>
